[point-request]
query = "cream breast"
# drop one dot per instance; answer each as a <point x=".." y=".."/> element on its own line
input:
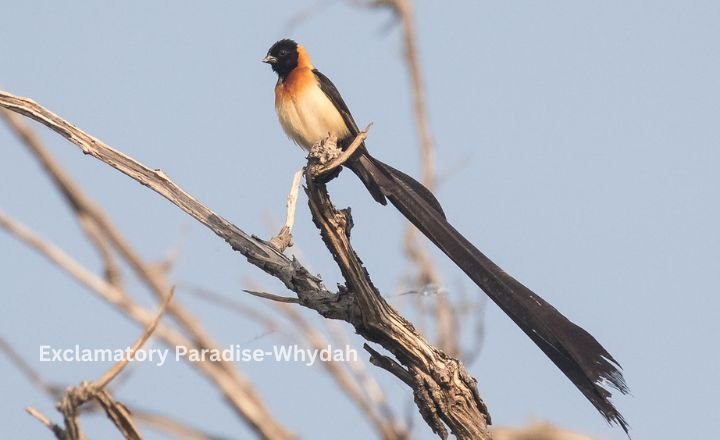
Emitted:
<point x="306" y="114"/>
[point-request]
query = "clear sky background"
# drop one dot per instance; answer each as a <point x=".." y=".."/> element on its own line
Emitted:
<point x="577" y="144"/>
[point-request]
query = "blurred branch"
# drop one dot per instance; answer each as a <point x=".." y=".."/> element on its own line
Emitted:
<point x="361" y="390"/>
<point x="403" y="9"/>
<point x="172" y="426"/>
<point x="367" y="383"/>
<point x="25" y="368"/>
<point x="85" y="210"/>
<point x="305" y="13"/>
<point x="104" y="234"/>
<point x="384" y="422"/>
<point x="75" y="397"/>
<point x="251" y="313"/>
<point x="236" y="389"/>
<point x="118" y="367"/>
<point x="155" y="421"/>
<point x="537" y="431"/>
<point x="55" y="429"/>
<point x="445" y="314"/>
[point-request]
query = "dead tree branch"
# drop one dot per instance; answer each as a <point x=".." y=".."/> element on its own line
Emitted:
<point x="103" y="233"/>
<point x="75" y="397"/>
<point x="444" y="392"/>
<point x="257" y="251"/>
<point x="235" y="388"/>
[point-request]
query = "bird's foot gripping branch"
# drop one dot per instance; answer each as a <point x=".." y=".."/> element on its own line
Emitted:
<point x="445" y="393"/>
<point x="325" y="156"/>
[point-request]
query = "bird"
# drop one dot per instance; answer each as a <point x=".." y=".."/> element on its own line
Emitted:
<point x="309" y="108"/>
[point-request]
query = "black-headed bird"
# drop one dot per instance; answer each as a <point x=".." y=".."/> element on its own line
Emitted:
<point x="310" y="107"/>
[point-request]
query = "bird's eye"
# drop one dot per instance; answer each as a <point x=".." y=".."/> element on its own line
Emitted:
<point x="283" y="52"/>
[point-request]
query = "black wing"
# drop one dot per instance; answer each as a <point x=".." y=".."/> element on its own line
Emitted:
<point x="332" y="93"/>
<point x="377" y="178"/>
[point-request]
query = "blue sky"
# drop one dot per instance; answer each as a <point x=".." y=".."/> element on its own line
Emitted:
<point x="577" y="144"/>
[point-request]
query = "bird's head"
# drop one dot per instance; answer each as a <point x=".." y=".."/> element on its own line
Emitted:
<point x="286" y="55"/>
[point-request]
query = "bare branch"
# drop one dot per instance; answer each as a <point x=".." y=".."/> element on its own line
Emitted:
<point x="284" y="238"/>
<point x="367" y="383"/>
<point x="77" y="396"/>
<point x="273" y="297"/>
<point x="24" y="367"/>
<point x="83" y="207"/>
<point x="257" y="251"/>
<point x="172" y="426"/>
<point x="445" y="393"/>
<point x="103" y="233"/>
<point x="235" y="388"/>
<point x="118" y="367"/>
<point x="56" y="430"/>
<point x="386" y="428"/>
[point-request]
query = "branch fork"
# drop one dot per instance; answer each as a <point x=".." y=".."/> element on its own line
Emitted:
<point x="325" y="156"/>
<point x="445" y="393"/>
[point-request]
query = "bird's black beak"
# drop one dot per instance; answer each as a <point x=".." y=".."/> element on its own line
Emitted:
<point x="269" y="59"/>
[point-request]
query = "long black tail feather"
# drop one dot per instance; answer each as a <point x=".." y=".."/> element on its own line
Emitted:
<point x="576" y="352"/>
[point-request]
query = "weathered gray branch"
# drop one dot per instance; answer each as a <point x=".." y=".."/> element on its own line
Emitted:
<point x="260" y="253"/>
<point x="444" y="392"/>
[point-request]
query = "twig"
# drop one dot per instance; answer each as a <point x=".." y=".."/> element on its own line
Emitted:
<point x="403" y="10"/>
<point x="273" y="297"/>
<point x="75" y="397"/>
<point x="367" y="383"/>
<point x="84" y="208"/>
<point x="269" y="323"/>
<point x="103" y="233"/>
<point x="156" y="421"/>
<point x="235" y="388"/>
<point x="445" y="314"/>
<point x="304" y="14"/>
<point x="57" y="430"/>
<point x="388" y="364"/>
<point x="284" y="238"/>
<point x="29" y="371"/>
<point x="118" y="367"/>
<point x="385" y="427"/>
<point x="172" y="426"/>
